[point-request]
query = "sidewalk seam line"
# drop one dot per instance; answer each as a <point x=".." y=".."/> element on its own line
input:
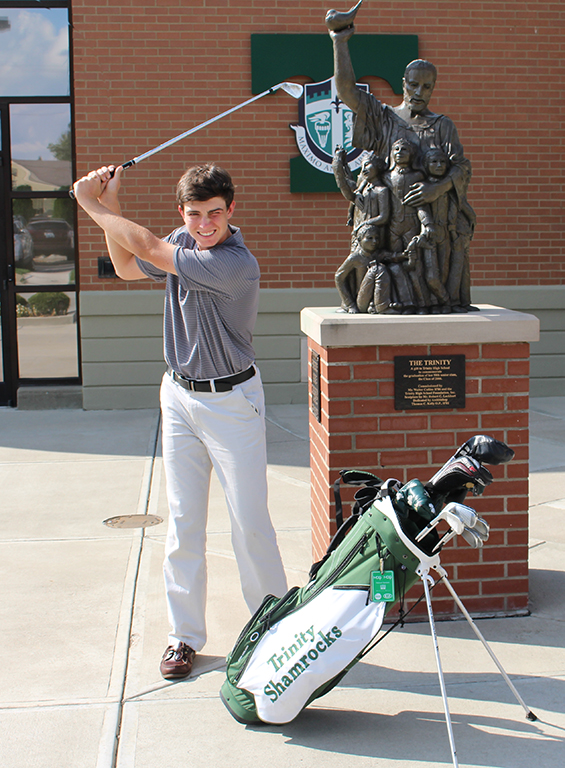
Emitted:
<point x="111" y="727"/>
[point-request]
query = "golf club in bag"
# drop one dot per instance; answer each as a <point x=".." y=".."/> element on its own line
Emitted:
<point x="293" y="89"/>
<point x="297" y="648"/>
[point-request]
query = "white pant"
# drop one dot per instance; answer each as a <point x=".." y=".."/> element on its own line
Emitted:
<point x="226" y="431"/>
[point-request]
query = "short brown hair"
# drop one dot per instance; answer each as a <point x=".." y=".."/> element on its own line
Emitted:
<point x="202" y="182"/>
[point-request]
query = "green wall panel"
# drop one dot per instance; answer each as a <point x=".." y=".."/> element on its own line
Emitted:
<point x="279" y="57"/>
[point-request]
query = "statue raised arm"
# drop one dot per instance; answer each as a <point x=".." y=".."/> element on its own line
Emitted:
<point x="378" y="126"/>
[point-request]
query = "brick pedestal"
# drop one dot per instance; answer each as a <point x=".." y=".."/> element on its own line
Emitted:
<point x="360" y="428"/>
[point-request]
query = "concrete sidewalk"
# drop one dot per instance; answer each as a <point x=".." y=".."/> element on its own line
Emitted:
<point x="84" y="624"/>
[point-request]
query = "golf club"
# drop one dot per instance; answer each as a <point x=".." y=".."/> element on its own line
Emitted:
<point x="473" y="539"/>
<point x="482" y="528"/>
<point x="456" y="516"/>
<point x="293" y="89"/>
<point x="474" y="535"/>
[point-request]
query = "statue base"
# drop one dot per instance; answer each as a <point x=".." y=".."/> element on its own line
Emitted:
<point x="360" y="367"/>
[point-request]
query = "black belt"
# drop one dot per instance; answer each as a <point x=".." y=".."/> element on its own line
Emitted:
<point x="212" y="385"/>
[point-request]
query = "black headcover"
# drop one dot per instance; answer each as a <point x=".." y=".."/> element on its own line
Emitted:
<point x="464" y="471"/>
<point x="486" y="449"/>
<point x="460" y="472"/>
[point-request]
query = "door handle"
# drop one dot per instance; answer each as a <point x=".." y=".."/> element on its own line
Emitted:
<point x="9" y="277"/>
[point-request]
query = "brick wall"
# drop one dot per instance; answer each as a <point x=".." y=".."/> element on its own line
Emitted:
<point x="360" y="429"/>
<point x="145" y="71"/>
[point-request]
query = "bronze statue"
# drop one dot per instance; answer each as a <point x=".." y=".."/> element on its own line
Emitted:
<point x="419" y="158"/>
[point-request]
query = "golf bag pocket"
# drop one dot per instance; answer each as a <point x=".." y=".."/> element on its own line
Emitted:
<point x="308" y="648"/>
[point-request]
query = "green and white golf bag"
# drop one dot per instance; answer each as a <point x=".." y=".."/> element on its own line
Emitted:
<point x="298" y="647"/>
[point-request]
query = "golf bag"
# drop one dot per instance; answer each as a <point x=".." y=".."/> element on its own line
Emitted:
<point x="298" y="647"/>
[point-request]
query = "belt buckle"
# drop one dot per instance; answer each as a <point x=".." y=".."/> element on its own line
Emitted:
<point x="185" y="383"/>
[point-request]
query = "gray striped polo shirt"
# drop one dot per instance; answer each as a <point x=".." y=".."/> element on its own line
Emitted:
<point x="210" y="306"/>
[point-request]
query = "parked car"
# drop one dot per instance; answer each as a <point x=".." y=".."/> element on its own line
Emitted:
<point x="23" y="244"/>
<point x="51" y="236"/>
<point x="53" y="243"/>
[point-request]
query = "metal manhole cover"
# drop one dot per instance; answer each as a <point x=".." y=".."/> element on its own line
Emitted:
<point x="133" y="521"/>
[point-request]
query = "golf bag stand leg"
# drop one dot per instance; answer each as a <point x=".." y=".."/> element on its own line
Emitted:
<point x="426" y="579"/>
<point x="529" y="714"/>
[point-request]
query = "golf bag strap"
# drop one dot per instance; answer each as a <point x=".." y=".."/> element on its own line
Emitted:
<point x="336" y="541"/>
<point x="351" y="477"/>
<point x="338" y="504"/>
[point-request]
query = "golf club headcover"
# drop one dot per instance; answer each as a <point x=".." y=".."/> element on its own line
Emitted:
<point x="486" y="449"/>
<point x="415" y="510"/>
<point x="413" y="497"/>
<point x="458" y="476"/>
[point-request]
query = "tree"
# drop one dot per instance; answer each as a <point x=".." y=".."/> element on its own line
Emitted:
<point x="62" y="149"/>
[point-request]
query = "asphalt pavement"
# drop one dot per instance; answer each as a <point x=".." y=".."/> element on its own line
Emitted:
<point x="84" y="624"/>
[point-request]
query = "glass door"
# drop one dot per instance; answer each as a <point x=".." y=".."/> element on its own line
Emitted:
<point x="38" y="269"/>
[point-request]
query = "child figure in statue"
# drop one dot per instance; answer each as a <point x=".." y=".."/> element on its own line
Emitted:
<point x="407" y="222"/>
<point x="349" y="276"/>
<point x="435" y="241"/>
<point x="368" y="196"/>
<point x="369" y="204"/>
<point x="364" y="279"/>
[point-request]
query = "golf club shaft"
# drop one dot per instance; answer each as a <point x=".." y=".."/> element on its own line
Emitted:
<point x="199" y="127"/>
<point x="145" y="155"/>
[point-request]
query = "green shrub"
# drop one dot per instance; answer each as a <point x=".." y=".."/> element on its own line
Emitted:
<point x="49" y="303"/>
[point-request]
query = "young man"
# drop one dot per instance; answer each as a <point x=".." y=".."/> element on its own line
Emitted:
<point x="211" y="396"/>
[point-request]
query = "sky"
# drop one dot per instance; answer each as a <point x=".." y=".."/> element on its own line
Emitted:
<point x="34" y="126"/>
<point x="34" y="61"/>
<point x="34" y="52"/>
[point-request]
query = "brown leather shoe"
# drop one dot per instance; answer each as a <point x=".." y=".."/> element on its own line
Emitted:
<point x="177" y="661"/>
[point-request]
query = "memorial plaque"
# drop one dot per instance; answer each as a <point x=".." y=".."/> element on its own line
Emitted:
<point x="429" y="382"/>
<point x="315" y="403"/>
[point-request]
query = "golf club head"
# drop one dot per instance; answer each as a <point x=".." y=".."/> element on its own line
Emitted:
<point x="457" y="516"/>
<point x="481" y="528"/>
<point x="454" y="522"/>
<point x="467" y="515"/>
<point x="293" y="89"/>
<point x="472" y="538"/>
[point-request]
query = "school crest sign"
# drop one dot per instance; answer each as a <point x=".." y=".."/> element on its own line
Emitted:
<point x="325" y="122"/>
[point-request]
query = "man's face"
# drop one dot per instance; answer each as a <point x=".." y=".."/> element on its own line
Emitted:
<point x="418" y="88"/>
<point x="207" y="220"/>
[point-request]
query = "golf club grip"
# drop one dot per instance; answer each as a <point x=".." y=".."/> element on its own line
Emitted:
<point x="125" y="165"/>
